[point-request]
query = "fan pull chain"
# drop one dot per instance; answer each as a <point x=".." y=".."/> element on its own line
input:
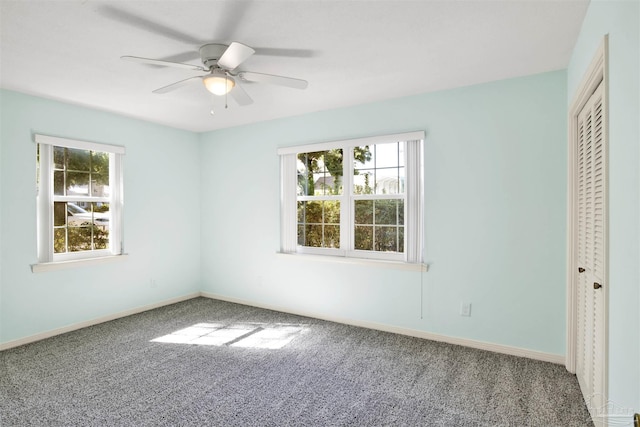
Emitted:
<point x="226" y="92"/>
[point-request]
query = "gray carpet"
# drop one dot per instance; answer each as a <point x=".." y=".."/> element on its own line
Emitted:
<point x="323" y="374"/>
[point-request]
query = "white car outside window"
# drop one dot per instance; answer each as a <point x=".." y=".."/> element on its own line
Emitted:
<point x="77" y="216"/>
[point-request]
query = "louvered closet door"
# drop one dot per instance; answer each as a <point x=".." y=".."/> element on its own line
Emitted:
<point x="591" y="249"/>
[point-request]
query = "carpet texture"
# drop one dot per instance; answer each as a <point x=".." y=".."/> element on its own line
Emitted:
<point x="204" y="362"/>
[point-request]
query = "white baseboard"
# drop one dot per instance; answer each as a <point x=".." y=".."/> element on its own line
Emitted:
<point x="481" y="345"/>
<point x="48" y="334"/>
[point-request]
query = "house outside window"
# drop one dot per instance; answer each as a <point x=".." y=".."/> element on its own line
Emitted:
<point x="79" y="199"/>
<point x="357" y="198"/>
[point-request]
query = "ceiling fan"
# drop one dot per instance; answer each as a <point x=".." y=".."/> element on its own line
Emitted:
<point x="221" y="61"/>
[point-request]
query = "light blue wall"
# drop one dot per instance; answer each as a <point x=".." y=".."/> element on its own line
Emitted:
<point x="495" y="232"/>
<point x="621" y="20"/>
<point x="162" y="217"/>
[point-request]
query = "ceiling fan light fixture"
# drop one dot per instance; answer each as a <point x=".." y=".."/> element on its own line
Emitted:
<point x="218" y="83"/>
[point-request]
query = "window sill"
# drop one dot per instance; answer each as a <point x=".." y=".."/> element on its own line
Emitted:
<point x="397" y="265"/>
<point x="63" y="265"/>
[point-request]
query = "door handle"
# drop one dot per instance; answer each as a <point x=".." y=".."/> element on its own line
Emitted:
<point x="596" y="285"/>
<point x="580" y="270"/>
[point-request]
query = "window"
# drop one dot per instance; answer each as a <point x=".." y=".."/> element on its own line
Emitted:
<point x="79" y="199"/>
<point x="357" y="198"/>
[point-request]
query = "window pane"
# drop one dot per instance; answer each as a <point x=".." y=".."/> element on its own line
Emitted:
<point x="77" y="216"/>
<point x="100" y="163"/>
<point x="58" y="183"/>
<point x="327" y="184"/>
<point x="331" y="212"/>
<point x="311" y="212"/>
<point x="363" y="212"/>
<point x="303" y="176"/>
<point x="386" y="239"/>
<point x="364" y="237"/>
<point x="331" y="236"/>
<point x="58" y="157"/>
<point x="389" y="181"/>
<point x="307" y="165"/>
<point x="77" y="183"/>
<point x="386" y="212"/>
<point x="59" y="240"/>
<point x="79" y="239"/>
<point x="59" y="214"/>
<point x="363" y="181"/>
<point x="362" y="157"/>
<point x="99" y="185"/>
<point x="101" y="215"/>
<point x="313" y="237"/>
<point x="401" y="180"/>
<point x="363" y="170"/>
<point x="78" y="160"/>
<point x="100" y="237"/>
<point x="388" y="155"/>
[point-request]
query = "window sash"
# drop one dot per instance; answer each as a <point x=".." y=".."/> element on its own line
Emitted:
<point x="319" y="198"/>
<point x="46" y="198"/>
<point x="399" y="196"/>
<point x="412" y="198"/>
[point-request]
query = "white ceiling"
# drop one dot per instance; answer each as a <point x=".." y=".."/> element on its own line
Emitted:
<point x="351" y="52"/>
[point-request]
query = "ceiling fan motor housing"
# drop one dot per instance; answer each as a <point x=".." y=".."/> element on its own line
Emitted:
<point x="210" y="53"/>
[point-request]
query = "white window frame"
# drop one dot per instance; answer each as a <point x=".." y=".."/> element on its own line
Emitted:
<point x="413" y="198"/>
<point x="45" y="199"/>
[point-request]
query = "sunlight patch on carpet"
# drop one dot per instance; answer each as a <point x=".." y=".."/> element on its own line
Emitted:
<point x="247" y="335"/>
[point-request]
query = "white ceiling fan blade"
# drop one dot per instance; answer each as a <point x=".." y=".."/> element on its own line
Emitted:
<point x="176" y="85"/>
<point x="163" y="63"/>
<point x="235" y="55"/>
<point x="240" y="95"/>
<point x="291" y="53"/>
<point x="250" y="76"/>
<point x="140" y="22"/>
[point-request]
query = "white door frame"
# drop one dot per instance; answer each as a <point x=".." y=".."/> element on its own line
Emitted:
<point x="596" y="73"/>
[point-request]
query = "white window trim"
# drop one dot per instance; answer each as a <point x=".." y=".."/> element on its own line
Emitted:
<point x="45" y="198"/>
<point x="413" y="198"/>
<point x="367" y="262"/>
<point x="348" y="143"/>
<point x="63" y="265"/>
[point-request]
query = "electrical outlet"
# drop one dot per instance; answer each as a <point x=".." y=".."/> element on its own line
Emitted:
<point x="465" y="309"/>
<point x="152" y="283"/>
